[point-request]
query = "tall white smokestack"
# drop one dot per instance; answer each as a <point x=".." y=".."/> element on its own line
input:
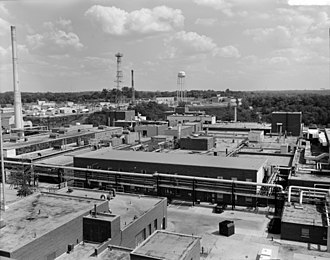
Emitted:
<point x="235" y="113"/>
<point x="133" y="90"/>
<point x="17" y="93"/>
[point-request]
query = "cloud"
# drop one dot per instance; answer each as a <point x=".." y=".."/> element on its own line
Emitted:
<point x="22" y="53"/>
<point x="191" y="43"/>
<point x="227" y="52"/>
<point x="4" y="27"/>
<point x="222" y="5"/>
<point x="116" y="21"/>
<point x="3" y="51"/>
<point x="279" y="36"/>
<point x="56" y="38"/>
<point x="309" y="2"/>
<point x="206" y="21"/>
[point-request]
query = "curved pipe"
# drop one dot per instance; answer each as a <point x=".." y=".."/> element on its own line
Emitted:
<point x="83" y="169"/>
<point x="219" y="180"/>
<point x="313" y="194"/>
<point x="155" y="175"/>
<point x="306" y="189"/>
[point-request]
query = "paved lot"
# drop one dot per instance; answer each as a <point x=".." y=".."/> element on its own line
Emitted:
<point x="250" y="234"/>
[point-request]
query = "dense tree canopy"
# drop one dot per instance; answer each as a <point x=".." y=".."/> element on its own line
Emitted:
<point x="256" y="106"/>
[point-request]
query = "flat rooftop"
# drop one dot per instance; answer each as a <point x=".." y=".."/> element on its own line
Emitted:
<point x="304" y="214"/>
<point x="86" y="251"/>
<point x="314" y="178"/>
<point x="177" y="159"/>
<point x="32" y="140"/>
<point x="24" y="222"/>
<point x="240" y="125"/>
<point x="271" y="160"/>
<point x="166" y="245"/>
<point x="126" y="205"/>
<point x="63" y="158"/>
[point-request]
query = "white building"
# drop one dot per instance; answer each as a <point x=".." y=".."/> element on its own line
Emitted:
<point x="176" y="118"/>
<point x="166" y="100"/>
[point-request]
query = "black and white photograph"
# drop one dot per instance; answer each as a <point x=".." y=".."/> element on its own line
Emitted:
<point x="165" y="129"/>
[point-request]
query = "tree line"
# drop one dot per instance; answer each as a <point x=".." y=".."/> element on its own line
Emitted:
<point x="256" y="105"/>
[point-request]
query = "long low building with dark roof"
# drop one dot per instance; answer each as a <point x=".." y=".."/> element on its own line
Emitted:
<point x="183" y="164"/>
<point x="215" y="167"/>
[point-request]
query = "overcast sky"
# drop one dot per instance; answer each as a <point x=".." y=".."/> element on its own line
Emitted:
<point x="70" y="45"/>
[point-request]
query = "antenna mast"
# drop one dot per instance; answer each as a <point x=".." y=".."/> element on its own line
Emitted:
<point x="119" y="76"/>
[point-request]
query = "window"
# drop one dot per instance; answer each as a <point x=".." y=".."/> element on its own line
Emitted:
<point x="305" y="232"/>
<point x="164" y="223"/>
<point x="149" y="229"/>
<point x="155" y="224"/>
<point x="220" y="197"/>
<point x="140" y="237"/>
<point x="248" y="200"/>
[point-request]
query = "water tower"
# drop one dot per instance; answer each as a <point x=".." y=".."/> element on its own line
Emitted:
<point x="180" y="94"/>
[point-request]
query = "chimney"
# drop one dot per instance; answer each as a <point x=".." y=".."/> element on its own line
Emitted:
<point x="235" y="113"/>
<point x="133" y="90"/>
<point x="17" y="93"/>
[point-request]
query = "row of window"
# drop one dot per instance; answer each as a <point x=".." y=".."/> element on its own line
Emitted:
<point x="140" y="237"/>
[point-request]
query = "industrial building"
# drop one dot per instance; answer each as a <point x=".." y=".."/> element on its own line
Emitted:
<point x="43" y="225"/>
<point x="168" y="246"/>
<point x="148" y="130"/>
<point x="184" y="118"/>
<point x="179" y="131"/>
<point x="160" y="244"/>
<point x="239" y="127"/>
<point x="203" y="143"/>
<point x="171" y="164"/>
<point x="161" y="142"/>
<point x="183" y="164"/>
<point x="125" y="115"/>
<point x="289" y="123"/>
<point x="47" y="225"/>
<point x="59" y="138"/>
<point x="307" y="223"/>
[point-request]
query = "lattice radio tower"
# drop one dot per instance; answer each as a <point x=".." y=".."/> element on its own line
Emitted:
<point x="119" y="76"/>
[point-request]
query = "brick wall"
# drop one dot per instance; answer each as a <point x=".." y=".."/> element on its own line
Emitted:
<point x="292" y="231"/>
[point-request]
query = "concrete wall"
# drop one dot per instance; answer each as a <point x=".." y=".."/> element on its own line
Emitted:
<point x="292" y="231"/>
<point x="56" y="241"/>
<point x="194" y="252"/>
<point x="127" y="236"/>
